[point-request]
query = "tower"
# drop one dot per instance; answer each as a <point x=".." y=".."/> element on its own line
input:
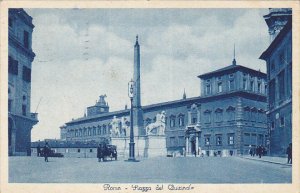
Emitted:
<point x="276" y="20"/>
<point x="137" y="109"/>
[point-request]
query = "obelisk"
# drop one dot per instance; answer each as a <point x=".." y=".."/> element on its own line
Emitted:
<point x="138" y="123"/>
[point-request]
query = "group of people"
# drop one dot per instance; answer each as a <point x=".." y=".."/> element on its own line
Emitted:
<point x="258" y="151"/>
<point x="45" y="151"/>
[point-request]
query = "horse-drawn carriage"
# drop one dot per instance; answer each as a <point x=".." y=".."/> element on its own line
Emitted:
<point x="105" y="151"/>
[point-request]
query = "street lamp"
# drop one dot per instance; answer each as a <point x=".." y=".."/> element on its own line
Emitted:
<point x="131" y="93"/>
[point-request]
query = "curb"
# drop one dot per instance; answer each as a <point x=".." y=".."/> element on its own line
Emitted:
<point x="285" y="164"/>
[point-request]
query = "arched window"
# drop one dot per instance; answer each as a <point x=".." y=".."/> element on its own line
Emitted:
<point x="207" y="116"/>
<point x="94" y="130"/>
<point x="172" y="121"/>
<point x="219" y="115"/>
<point x="181" y="120"/>
<point x="247" y="113"/>
<point x="231" y="113"/>
<point x="99" y="130"/>
<point x="194" y="114"/>
<point x="253" y="114"/>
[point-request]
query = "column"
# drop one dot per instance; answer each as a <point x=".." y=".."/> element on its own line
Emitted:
<point x="186" y="145"/>
<point x="197" y="144"/>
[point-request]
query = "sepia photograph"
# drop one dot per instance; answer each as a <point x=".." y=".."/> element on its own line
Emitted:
<point x="124" y="97"/>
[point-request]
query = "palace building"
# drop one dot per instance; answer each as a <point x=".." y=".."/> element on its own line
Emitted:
<point x="278" y="57"/>
<point x="227" y="118"/>
<point x="20" y="57"/>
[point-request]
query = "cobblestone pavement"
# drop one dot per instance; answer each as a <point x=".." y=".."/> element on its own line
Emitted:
<point x="153" y="170"/>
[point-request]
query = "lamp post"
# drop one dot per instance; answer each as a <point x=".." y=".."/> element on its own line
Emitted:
<point x="131" y="93"/>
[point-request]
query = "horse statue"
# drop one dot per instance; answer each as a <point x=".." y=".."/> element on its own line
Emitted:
<point x="159" y="125"/>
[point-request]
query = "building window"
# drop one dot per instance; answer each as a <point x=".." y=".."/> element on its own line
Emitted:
<point x="26" y="39"/>
<point x="26" y="74"/>
<point x="272" y="125"/>
<point x="207" y="140"/>
<point x="84" y="132"/>
<point x="78" y="150"/>
<point x="253" y="114"/>
<point x="282" y="121"/>
<point x="172" y="121"/>
<point x="208" y="89"/>
<point x="266" y="89"/>
<point x="181" y="120"/>
<point x="231" y="113"/>
<point x="24" y="110"/>
<point x="272" y="92"/>
<point x="220" y="87"/>
<point x="281" y="85"/>
<point x="231" y="139"/>
<point x="219" y="115"/>
<point x="80" y="132"/>
<point x="89" y="132"/>
<point x="218" y="140"/>
<point x="252" y="86"/>
<point x="245" y="84"/>
<point x="91" y="150"/>
<point x="207" y="116"/>
<point x="94" y="131"/>
<point x="247" y="113"/>
<point x="104" y="129"/>
<point x="99" y="131"/>
<point x="12" y="66"/>
<point x="259" y="87"/>
<point x="67" y="150"/>
<point x="76" y="133"/>
<point x="231" y="85"/>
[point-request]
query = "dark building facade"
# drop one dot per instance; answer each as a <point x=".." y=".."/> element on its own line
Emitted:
<point x="20" y="57"/>
<point x="227" y="118"/>
<point x="278" y="57"/>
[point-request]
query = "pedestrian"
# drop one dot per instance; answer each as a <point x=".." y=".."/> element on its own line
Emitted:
<point x="289" y="153"/>
<point x="259" y="151"/>
<point x="183" y="152"/>
<point x="38" y="150"/>
<point x="99" y="152"/>
<point x="46" y="151"/>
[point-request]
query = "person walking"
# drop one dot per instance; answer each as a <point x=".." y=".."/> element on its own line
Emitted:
<point x="46" y="151"/>
<point x="99" y="152"/>
<point x="38" y="150"/>
<point x="260" y="151"/>
<point x="289" y="153"/>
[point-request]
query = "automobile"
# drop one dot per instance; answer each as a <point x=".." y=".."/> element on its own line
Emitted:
<point x="52" y="154"/>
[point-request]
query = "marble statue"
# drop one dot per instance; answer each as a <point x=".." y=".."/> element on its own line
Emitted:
<point x="115" y="127"/>
<point x="159" y="125"/>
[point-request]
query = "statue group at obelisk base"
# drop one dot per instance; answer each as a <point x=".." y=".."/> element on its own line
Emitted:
<point x="150" y="141"/>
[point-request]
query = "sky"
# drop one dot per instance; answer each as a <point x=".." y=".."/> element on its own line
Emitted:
<point x="84" y="53"/>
